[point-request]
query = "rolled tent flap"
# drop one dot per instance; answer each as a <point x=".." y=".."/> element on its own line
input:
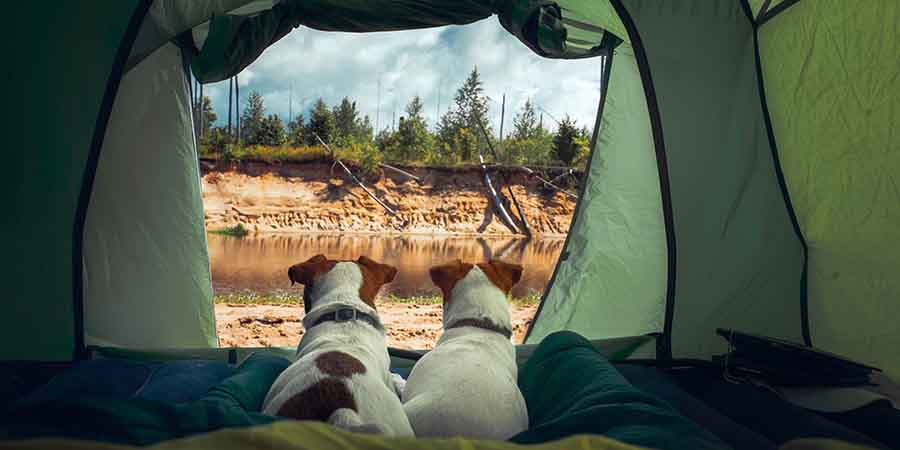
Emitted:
<point x="552" y="31"/>
<point x="235" y="41"/>
<point x="146" y="267"/>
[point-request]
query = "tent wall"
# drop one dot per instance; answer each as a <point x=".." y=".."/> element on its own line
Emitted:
<point x="58" y="92"/>
<point x="738" y="259"/>
<point x="611" y="277"/>
<point x="832" y="82"/>
<point x="146" y="267"/>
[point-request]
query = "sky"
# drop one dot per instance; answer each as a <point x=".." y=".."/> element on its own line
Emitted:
<point x="431" y="63"/>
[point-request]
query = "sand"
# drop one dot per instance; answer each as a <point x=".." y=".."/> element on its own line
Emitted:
<point x="409" y="325"/>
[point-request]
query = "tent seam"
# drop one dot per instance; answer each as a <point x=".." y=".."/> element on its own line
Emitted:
<point x="779" y="172"/>
<point x="87" y="180"/>
<point x="663" y="345"/>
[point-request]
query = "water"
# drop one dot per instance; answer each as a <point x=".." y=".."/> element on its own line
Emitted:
<point x="260" y="263"/>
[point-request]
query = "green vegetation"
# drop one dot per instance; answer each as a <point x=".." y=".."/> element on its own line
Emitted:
<point x="457" y="138"/>
<point x="236" y="231"/>
<point x="253" y="298"/>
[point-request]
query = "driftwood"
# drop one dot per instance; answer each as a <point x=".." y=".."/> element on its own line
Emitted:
<point x="353" y="177"/>
<point x="550" y="183"/>
<point x="498" y="204"/>
<point x="400" y="171"/>
<point x="512" y="196"/>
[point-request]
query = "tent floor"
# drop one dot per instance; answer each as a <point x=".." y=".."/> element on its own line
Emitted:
<point x="744" y="416"/>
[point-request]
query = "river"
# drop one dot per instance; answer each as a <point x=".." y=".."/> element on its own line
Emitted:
<point x="259" y="263"/>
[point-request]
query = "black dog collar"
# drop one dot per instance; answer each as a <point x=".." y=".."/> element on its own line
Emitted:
<point x="346" y="315"/>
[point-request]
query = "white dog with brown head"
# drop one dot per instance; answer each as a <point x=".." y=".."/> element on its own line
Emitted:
<point x="466" y="386"/>
<point x="342" y="372"/>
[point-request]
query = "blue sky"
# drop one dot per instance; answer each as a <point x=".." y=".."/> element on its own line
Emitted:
<point x="431" y="63"/>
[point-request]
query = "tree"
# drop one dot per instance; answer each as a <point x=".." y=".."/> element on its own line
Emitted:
<point x="564" y="145"/>
<point x="208" y="115"/>
<point x="321" y="123"/>
<point x="469" y="113"/>
<point x="411" y="142"/>
<point x="346" y="122"/>
<point x="271" y="131"/>
<point x="252" y="119"/>
<point x="296" y="133"/>
<point x="525" y="124"/>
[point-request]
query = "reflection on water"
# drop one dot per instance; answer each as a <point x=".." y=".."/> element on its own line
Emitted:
<point x="260" y="263"/>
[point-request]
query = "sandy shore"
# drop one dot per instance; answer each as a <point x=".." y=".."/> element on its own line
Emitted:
<point x="409" y="325"/>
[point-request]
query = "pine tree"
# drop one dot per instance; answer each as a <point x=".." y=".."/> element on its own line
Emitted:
<point x="271" y="131"/>
<point x="460" y="128"/>
<point x="296" y="132"/>
<point x="321" y="124"/>
<point x="564" y="145"/>
<point x="412" y="137"/>
<point x="525" y="124"/>
<point x="252" y="119"/>
<point x="208" y="114"/>
<point x="346" y="122"/>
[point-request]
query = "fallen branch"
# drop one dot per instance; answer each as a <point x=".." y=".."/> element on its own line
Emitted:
<point x="498" y="204"/>
<point x="550" y="183"/>
<point x="522" y="217"/>
<point x="400" y="171"/>
<point x="353" y="177"/>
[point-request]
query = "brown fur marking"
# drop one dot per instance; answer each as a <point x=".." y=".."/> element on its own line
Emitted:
<point x="319" y="401"/>
<point x="306" y="274"/>
<point x="447" y="275"/>
<point x="374" y="276"/>
<point x="504" y="275"/>
<point x="339" y="364"/>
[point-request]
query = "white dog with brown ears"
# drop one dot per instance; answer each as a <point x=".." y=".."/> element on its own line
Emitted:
<point x="342" y="372"/>
<point x="467" y="386"/>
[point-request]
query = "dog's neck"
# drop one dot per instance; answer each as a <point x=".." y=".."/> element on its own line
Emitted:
<point x="337" y="289"/>
<point x="476" y="299"/>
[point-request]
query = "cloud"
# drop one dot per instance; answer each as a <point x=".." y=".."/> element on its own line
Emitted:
<point x="383" y="71"/>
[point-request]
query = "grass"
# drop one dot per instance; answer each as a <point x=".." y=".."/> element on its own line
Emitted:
<point x="253" y="298"/>
<point x="236" y="231"/>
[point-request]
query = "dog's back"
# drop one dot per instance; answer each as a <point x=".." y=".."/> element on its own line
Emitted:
<point x="476" y="397"/>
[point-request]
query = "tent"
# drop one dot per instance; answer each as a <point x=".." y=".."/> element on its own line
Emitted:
<point x="744" y="176"/>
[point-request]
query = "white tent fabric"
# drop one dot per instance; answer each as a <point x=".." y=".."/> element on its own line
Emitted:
<point x="146" y="267"/>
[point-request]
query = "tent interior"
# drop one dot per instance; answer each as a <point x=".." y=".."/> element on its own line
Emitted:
<point x="744" y="179"/>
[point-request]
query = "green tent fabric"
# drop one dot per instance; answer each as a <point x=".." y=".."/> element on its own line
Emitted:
<point x="833" y="90"/>
<point x="235" y="402"/>
<point x="742" y="170"/>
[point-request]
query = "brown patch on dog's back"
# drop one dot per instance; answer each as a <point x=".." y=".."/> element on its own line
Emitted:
<point x="447" y="275"/>
<point x="504" y="275"/>
<point x="319" y="401"/>
<point x="374" y="275"/>
<point x="339" y="364"/>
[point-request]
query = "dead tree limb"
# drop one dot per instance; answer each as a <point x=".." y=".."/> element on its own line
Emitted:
<point x="400" y="171"/>
<point x="550" y="183"/>
<point x="353" y="177"/>
<point x="512" y="196"/>
<point x="498" y="204"/>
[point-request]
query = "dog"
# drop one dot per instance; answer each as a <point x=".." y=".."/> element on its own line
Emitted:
<point x="342" y="372"/>
<point x="466" y="386"/>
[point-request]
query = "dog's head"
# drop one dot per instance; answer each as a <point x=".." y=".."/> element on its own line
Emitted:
<point x="501" y="274"/>
<point x="316" y="270"/>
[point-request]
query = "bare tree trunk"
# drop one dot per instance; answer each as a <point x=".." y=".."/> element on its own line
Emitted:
<point x="237" y="108"/>
<point x="230" y="102"/>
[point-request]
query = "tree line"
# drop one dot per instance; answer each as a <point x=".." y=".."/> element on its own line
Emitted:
<point x="461" y="134"/>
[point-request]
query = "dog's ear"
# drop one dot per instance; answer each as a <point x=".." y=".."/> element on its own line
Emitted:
<point x="306" y="272"/>
<point x="447" y="275"/>
<point x="385" y="272"/>
<point x="374" y="276"/>
<point x="503" y="274"/>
